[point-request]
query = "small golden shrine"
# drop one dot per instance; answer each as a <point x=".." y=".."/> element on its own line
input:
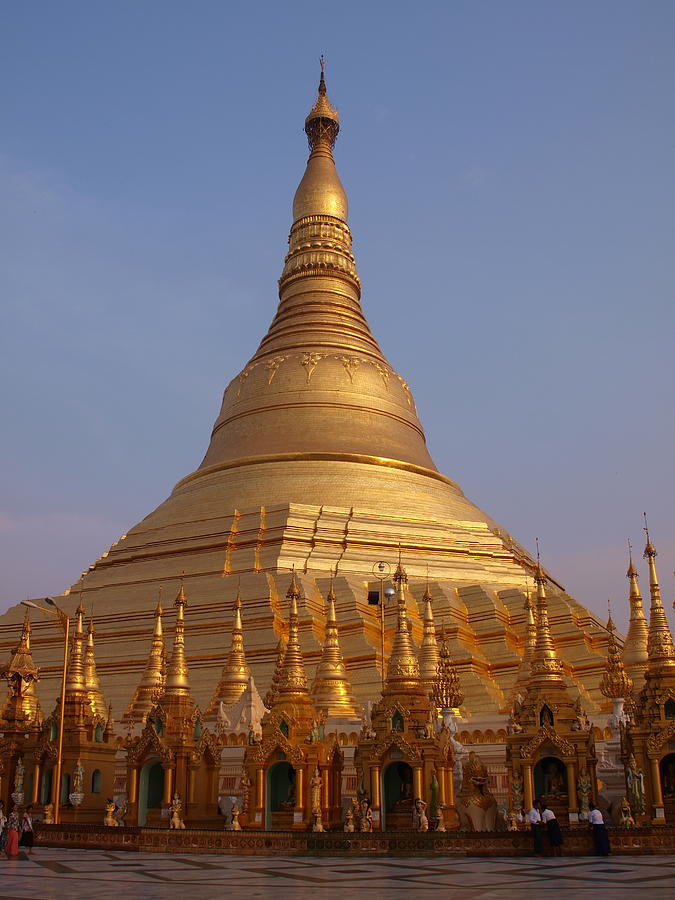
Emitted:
<point x="294" y="773"/>
<point x="174" y="757"/>
<point x="550" y="750"/>
<point x="20" y="724"/>
<point x="649" y="739"/>
<point x="403" y="755"/>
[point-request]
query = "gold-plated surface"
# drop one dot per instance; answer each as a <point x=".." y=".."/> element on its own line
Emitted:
<point x="635" y="655"/>
<point x="446" y="691"/>
<point x="428" y="657"/>
<point x="403" y="670"/>
<point x="22" y="674"/>
<point x="91" y="680"/>
<point x="331" y="690"/>
<point x="616" y="683"/>
<point x="235" y="676"/>
<point x="660" y="648"/>
<point x="151" y="684"/>
<point x="177" y="683"/>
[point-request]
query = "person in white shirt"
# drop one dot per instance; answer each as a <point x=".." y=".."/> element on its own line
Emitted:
<point x="600" y="836"/>
<point x="534" y="818"/>
<point x="553" y="828"/>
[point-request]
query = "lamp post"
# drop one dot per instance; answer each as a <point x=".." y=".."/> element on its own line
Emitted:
<point x="64" y="621"/>
<point x="382" y="571"/>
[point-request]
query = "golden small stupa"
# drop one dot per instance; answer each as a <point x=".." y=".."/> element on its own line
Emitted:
<point x="318" y="463"/>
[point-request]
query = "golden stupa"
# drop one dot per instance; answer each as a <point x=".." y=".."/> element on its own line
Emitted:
<point x="318" y="463"/>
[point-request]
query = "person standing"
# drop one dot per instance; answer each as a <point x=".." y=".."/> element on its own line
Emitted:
<point x="3" y="825"/>
<point x="12" y="842"/>
<point x="553" y="828"/>
<point x="26" y="839"/>
<point x="534" y="818"/>
<point x="600" y="836"/>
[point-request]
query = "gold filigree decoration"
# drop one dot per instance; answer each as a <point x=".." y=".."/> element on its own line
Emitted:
<point x="384" y="373"/>
<point x="261" y="753"/>
<point x="546" y="733"/>
<point x="310" y="362"/>
<point x="242" y="378"/>
<point x="272" y="366"/>
<point x="656" y="741"/>
<point x="351" y="364"/>
<point x="395" y="739"/>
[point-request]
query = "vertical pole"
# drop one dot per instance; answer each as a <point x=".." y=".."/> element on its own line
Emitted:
<point x="56" y="788"/>
<point x="133" y="785"/>
<point x="657" y="794"/>
<point x="417" y="783"/>
<point x="527" y="783"/>
<point x="573" y="802"/>
<point x="441" y="785"/>
<point x="382" y="625"/>
<point x="36" y="783"/>
<point x="166" y="799"/>
<point x="259" y="799"/>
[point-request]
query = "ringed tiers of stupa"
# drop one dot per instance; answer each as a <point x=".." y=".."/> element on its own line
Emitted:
<point x="318" y="463"/>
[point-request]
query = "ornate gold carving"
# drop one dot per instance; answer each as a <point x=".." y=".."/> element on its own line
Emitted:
<point x="272" y="366"/>
<point x="546" y="733"/>
<point x="351" y="364"/>
<point x="310" y="362"/>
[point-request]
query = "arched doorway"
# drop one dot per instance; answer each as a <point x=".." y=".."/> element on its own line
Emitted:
<point x="667" y="772"/>
<point x="397" y="794"/>
<point x="46" y="789"/>
<point x="150" y="789"/>
<point x="550" y="779"/>
<point x="280" y="796"/>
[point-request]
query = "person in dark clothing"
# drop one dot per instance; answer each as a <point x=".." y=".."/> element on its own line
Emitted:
<point x="600" y="836"/>
<point x="555" y="837"/>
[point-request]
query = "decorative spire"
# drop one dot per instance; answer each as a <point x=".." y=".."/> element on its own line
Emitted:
<point x="615" y="684"/>
<point x="545" y="663"/>
<point x="76" y="682"/>
<point x="660" y="642"/>
<point x="293" y="679"/>
<point x="323" y="123"/>
<point x="91" y="680"/>
<point x="331" y="690"/>
<point x="429" y="654"/>
<point x="271" y="695"/>
<point x="403" y="672"/>
<point x="177" y="684"/>
<point x="152" y="682"/>
<point x="530" y="643"/>
<point x="635" y="655"/>
<point x="447" y="692"/>
<point x="22" y="675"/>
<point x="235" y="675"/>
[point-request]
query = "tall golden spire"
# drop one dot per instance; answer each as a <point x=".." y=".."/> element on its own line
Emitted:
<point x="615" y="682"/>
<point x="177" y="684"/>
<point x="22" y="675"/>
<point x="91" y="680"/>
<point x="446" y="692"/>
<point x="530" y="642"/>
<point x="660" y="642"/>
<point x="635" y="655"/>
<point x="319" y="346"/>
<point x="331" y="690"/>
<point x="76" y="682"/>
<point x="236" y="673"/>
<point x="545" y="664"/>
<point x="403" y="671"/>
<point x="429" y="655"/>
<point x="152" y="681"/>
<point x="293" y="679"/>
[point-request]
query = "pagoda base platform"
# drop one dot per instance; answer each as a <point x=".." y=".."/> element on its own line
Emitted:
<point x="578" y="842"/>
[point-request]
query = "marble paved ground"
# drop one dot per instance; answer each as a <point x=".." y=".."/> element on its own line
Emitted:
<point x="94" y="875"/>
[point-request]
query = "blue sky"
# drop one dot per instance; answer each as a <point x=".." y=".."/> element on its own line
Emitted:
<point x="509" y="169"/>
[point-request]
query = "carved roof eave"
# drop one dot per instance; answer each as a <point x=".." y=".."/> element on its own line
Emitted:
<point x="208" y="742"/>
<point x="262" y="752"/>
<point x="546" y="734"/>
<point x="656" y="741"/>
<point x="394" y="739"/>
<point x="149" y="740"/>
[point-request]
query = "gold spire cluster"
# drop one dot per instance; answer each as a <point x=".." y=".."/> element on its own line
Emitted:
<point x="22" y="675"/>
<point x="615" y="684"/>
<point x="530" y="643"/>
<point x="660" y="641"/>
<point x="235" y="675"/>
<point x="152" y="681"/>
<point x="331" y="690"/>
<point x="545" y="662"/>
<point x="447" y="692"/>
<point x="635" y="655"/>
<point x="75" y="682"/>
<point x="429" y="654"/>
<point x="403" y="671"/>
<point x="271" y="694"/>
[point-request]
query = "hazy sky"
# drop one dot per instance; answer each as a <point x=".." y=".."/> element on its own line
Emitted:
<point x="510" y="173"/>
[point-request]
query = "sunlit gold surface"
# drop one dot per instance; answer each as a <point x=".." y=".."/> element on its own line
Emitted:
<point x="318" y="461"/>
<point x="22" y="704"/>
<point x="235" y="675"/>
<point x="152" y="683"/>
<point x="635" y="654"/>
<point x="615" y="682"/>
<point x="331" y="690"/>
<point x="92" y="683"/>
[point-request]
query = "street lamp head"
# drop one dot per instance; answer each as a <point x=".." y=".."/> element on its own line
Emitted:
<point x="381" y="567"/>
<point x="50" y="601"/>
<point x="29" y="603"/>
<point x="389" y="592"/>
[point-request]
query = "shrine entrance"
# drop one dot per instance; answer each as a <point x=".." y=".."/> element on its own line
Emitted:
<point x="397" y="794"/>
<point x="280" y="797"/>
<point x="667" y="773"/>
<point x="150" y="790"/>
<point x="550" y="785"/>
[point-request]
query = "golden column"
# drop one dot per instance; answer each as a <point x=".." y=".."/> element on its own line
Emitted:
<point x="133" y="785"/>
<point x="375" y="787"/>
<point x="657" y="794"/>
<point x="441" y="785"/>
<point x="166" y="799"/>
<point x="259" y="798"/>
<point x="36" y="783"/>
<point x="417" y="782"/>
<point x="572" y="800"/>
<point x="528" y="786"/>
